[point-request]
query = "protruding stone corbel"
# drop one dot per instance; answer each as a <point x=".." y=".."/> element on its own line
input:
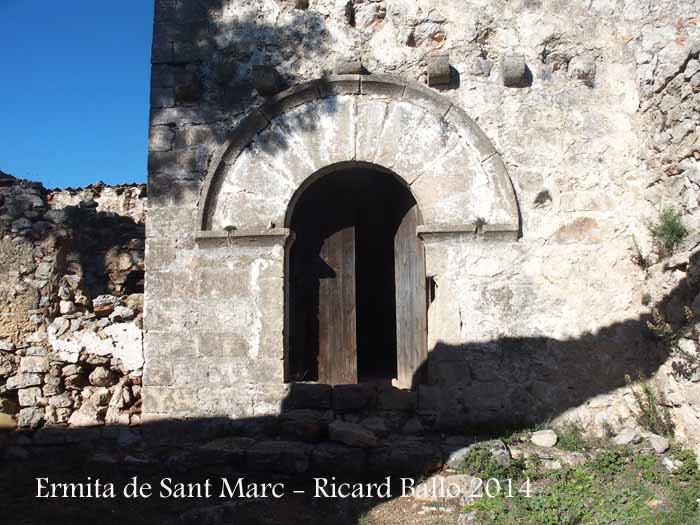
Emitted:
<point x="439" y="69"/>
<point x="267" y="80"/>
<point x="515" y="72"/>
<point x="348" y="66"/>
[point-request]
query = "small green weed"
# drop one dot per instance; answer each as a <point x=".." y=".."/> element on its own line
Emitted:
<point x="689" y="470"/>
<point x="668" y="231"/>
<point x="653" y="413"/>
<point x="480" y="462"/>
<point x="570" y="437"/>
<point x="611" y="461"/>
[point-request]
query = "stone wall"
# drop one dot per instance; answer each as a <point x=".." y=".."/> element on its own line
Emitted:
<point x="597" y="133"/>
<point x="71" y="304"/>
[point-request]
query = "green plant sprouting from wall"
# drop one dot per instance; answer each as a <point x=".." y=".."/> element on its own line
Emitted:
<point x="668" y="231"/>
<point x="652" y="412"/>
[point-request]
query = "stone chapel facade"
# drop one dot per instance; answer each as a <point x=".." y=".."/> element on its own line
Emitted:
<point x="436" y="201"/>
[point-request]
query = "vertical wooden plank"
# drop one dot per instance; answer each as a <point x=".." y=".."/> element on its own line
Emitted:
<point x="411" y="321"/>
<point x="324" y="335"/>
<point x="345" y="359"/>
<point x="337" y="318"/>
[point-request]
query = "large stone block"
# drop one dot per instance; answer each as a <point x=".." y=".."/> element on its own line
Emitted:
<point x="335" y="458"/>
<point x="305" y="425"/>
<point x="169" y="400"/>
<point x="310" y="395"/>
<point x="23" y="381"/>
<point x="33" y="364"/>
<point x="352" y="434"/>
<point x="288" y="457"/>
<point x="29" y="396"/>
<point x="233" y="402"/>
<point x="397" y="399"/>
<point x="352" y="397"/>
<point x="229" y="451"/>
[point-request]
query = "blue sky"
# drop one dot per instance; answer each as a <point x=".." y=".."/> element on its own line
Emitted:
<point x="74" y="81"/>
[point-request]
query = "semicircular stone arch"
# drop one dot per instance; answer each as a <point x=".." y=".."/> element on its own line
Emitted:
<point x="450" y="166"/>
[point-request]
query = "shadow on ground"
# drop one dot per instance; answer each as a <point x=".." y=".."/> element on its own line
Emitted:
<point x="294" y="448"/>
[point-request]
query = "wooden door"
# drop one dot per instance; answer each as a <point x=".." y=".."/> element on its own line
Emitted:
<point x="337" y="347"/>
<point x="411" y="321"/>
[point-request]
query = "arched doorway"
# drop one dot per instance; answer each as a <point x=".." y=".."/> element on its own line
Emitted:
<point x="356" y="278"/>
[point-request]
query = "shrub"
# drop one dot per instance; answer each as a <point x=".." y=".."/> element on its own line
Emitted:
<point x="668" y="231"/>
<point x="652" y="412"/>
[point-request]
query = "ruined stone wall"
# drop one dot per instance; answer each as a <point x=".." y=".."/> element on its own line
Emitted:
<point x="71" y="305"/>
<point x="598" y="134"/>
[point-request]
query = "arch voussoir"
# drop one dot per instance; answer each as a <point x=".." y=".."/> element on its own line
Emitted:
<point x="403" y="126"/>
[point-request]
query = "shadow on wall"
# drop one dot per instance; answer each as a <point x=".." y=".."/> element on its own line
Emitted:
<point x="203" y="81"/>
<point x="106" y="249"/>
<point x="508" y="383"/>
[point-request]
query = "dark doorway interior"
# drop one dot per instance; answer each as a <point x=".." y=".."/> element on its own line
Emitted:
<point x="373" y="203"/>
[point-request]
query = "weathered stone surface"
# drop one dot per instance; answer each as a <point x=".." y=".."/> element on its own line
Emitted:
<point x="29" y="396"/>
<point x="397" y="399"/>
<point x="335" y="458"/>
<point x="345" y="66"/>
<point x="583" y="68"/>
<point x="627" y="436"/>
<point x="377" y="425"/>
<point x="61" y="401"/>
<point x="224" y="451"/>
<point x="352" y="434"/>
<point x="404" y="456"/>
<point x="308" y="395"/>
<point x="267" y="80"/>
<point x="437" y="488"/>
<point x="101" y="397"/>
<point x="514" y="71"/>
<point x="121" y="313"/>
<point x="31" y="364"/>
<point x="351" y="397"/>
<point x="101" y="376"/>
<point x="659" y="443"/>
<point x="30" y="417"/>
<point x="288" y="457"/>
<point x="544" y="438"/>
<point x="88" y="415"/>
<point x="438" y="69"/>
<point x="23" y="381"/>
<point x="305" y="425"/>
<point x="413" y="426"/>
